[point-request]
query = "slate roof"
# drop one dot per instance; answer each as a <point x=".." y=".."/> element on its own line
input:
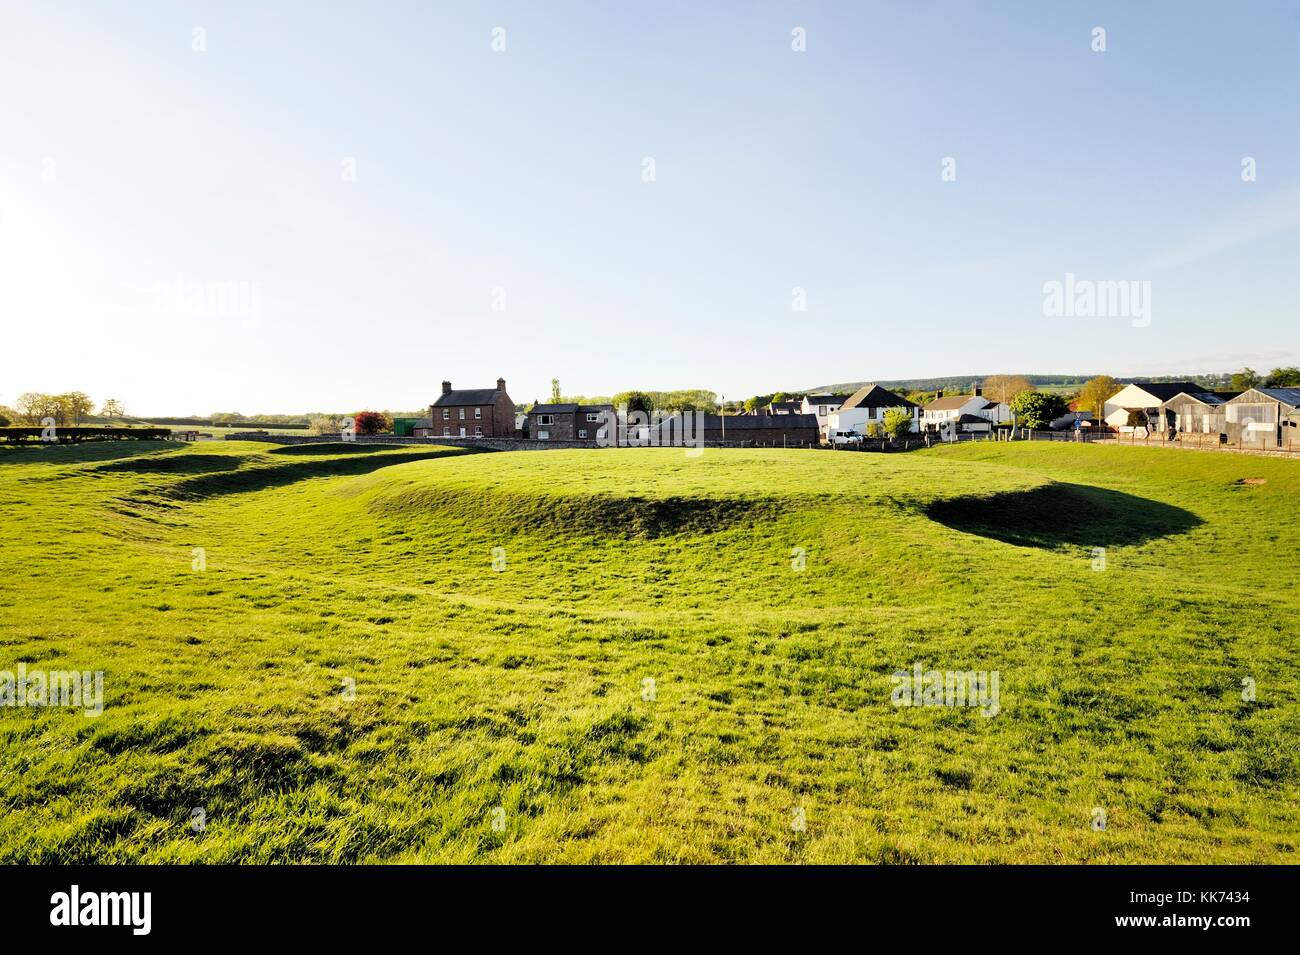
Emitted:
<point x="1165" y="390"/>
<point x="1204" y="397"/>
<point x="757" y="422"/>
<point x="568" y="408"/>
<point x="873" y="396"/>
<point x="468" y="396"/>
<point x="1288" y="396"/>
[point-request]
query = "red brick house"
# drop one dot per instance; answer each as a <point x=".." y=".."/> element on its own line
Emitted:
<point x="470" y="413"/>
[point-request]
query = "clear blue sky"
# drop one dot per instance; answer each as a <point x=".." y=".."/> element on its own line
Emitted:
<point x="133" y="167"/>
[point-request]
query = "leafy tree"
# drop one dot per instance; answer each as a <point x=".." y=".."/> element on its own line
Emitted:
<point x="35" y="405"/>
<point x="873" y="429"/>
<point x="756" y="402"/>
<point x="371" y="422"/>
<point x="634" y="400"/>
<point x="1037" y="409"/>
<point x="1095" y="393"/>
<point x="112" y="408"/>
<point x="921" y="398"/>
<point x="1245" y="379"/>
<point x="75" y="405"/>
<point x="779" y="396"/>
<point x="897" y="422"/>
<point x="1006" y="387"/>
<point x="555" y="391"/>
<point x="326" y="424"/>
<point x="1283" y="378"/>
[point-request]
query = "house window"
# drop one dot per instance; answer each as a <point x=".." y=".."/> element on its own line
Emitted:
<point x="593" y="415"/>
<point x="478" y="413"/>
<point x="446" y="432"/>
<point x="446" y="414"/>
<point x="582" y="432"/>
<point x="543" y="435"/>
<point x="546" y="419"/>
<point x="462" y="414"/>
<point x="478" y="432"/>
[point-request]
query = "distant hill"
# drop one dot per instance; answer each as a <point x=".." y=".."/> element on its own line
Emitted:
<point x="962" y="383"/>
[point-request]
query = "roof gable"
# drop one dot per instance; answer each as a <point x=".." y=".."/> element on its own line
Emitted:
<point x="1287" y="396"/>
<point x="953" y="402"/>
<point x="1166" y="390"/>
<point x="873" y="396"/>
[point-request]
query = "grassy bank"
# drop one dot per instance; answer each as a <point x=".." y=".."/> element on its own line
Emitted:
<point x="769" y="596"/>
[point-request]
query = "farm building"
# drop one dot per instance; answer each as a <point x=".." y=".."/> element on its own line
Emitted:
<point x="1263" y="418"/>
<point x="1145" y="401"/>
<point x="783" y="430"/>
<point x="404" y="427"/>
<point x="1200" y="412"/>
<point x="864" y="407"/>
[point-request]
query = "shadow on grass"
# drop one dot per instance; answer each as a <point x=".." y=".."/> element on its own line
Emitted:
<point x="279" y="475"/>
<point x="174" y="464"/>
<point x="1057" y="515"/>
<point x="82" y="452"/>
<point x="335" y="447"/>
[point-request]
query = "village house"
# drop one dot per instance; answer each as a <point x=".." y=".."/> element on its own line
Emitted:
<point x="866" y="405"/>
<point x="566" y="421"/>
<point x="822" y="406"/>
<point x="1264" y="418"/>
<point x="471" y="413"/>
<point x="972" y="412"/>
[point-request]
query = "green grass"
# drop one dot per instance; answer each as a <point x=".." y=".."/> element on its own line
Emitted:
<point x="523" y="688"/>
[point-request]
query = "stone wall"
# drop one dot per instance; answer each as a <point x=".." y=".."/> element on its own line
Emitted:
<point x="485" y="444"/>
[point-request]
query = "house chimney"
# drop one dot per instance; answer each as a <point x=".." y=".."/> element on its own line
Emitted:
<point x="501" y="384"/>
<point x="977" y="390"/>
<point x="446" y="387"/>
<point x="938" y="394"/>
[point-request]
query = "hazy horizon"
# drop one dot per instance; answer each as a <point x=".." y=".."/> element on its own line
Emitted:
<point x="224" y="206"/>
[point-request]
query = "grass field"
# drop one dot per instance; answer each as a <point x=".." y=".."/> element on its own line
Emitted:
<point x="504" y="715"/>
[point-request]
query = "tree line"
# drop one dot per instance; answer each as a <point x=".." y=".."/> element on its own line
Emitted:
<point x="65" y="410"/>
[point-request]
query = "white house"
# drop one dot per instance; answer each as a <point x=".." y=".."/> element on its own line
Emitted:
<point x="1146" y="399"/>
<point x="865" y="406"/>
<point x="822" y="406"/>
<point x="971" y="412"/>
